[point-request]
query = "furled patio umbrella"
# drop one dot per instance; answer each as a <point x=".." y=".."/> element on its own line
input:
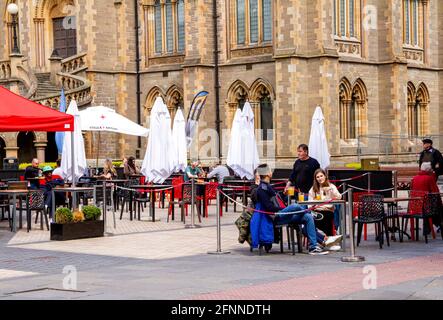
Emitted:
<point x="179" y="152"/>
<point x="318" y="145"/>
<point x="158" y="162"/>
<point x="234" y="152"/>
<point x="249" y="153"/>
<point x="242" y="154"/>
<point x="73" y="162"/>
<point x="60" y="135"/>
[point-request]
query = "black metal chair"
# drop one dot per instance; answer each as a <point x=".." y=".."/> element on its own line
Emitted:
<point x="126" y="197"/>
<point x="371" y="210"/>
<point x="427" y="208"/>
<point x="292" y="231"/>
<point x="35" y="201"/>
<point x="4" y="207"/>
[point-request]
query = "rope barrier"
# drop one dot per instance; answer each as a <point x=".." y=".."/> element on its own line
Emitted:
<point x="350" y="179"/>
<point x="361" y="189"/>
<point x="268" y="212"/>
<point x="152" y="190"/>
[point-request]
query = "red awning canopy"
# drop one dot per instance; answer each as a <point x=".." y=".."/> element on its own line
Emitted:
<point x="20" y="114"/>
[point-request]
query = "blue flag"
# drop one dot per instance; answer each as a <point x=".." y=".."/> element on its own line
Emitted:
<point x="59" y="136"/>
<point x="194" y="115"/>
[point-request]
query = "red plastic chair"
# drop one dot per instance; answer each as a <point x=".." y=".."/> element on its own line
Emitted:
<point x="177" y="184"/>
<point x="210" y="194"/>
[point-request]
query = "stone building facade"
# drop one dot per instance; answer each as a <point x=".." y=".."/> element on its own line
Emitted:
<point x="374" y="66"/>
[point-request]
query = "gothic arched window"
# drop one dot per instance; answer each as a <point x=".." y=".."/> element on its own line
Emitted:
<point x="253" y="21"/>
<point x="347" y="18"/>
<point x="169" y="27"/>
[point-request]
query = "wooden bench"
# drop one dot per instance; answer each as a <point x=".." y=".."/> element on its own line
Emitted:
<point x="404" y="176"/>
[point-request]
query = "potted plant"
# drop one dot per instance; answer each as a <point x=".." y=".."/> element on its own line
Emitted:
<point x="82" y="223"/>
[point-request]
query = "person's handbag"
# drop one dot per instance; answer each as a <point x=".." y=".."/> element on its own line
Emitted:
<point x="278" y="202"/>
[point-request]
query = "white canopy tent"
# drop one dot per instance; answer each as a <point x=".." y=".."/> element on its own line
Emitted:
<point x="101" y="118"/>
<point x="318" y="145"/>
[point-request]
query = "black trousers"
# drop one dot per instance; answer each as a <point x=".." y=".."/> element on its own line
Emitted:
<point x="327" y="223"/>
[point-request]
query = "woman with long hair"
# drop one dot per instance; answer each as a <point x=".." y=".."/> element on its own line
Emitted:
<point x="323" y="190"/>
<point x="130" y="168"/>
<point x="109" y="171"/>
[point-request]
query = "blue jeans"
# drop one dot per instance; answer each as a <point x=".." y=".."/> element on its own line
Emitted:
<point x="304" y="218"/>
<point x="337" y="216"/>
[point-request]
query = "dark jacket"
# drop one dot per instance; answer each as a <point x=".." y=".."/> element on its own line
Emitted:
<point x="435" y="157"/>
<point x="302" y="176"/>
<point x="265" y="196"/>
<point x="31" y="172"/>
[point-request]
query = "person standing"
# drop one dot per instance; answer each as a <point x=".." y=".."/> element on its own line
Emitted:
<point x="302" y="175"/>
<point x="432" y="155"/>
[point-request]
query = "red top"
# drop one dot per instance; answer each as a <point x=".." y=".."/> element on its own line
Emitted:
<point x="421" y="184"/>
<point x="425" y="182"/>
<point x="20" y="114"/>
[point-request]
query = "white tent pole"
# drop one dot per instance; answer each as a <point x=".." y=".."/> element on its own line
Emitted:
<point x="72" y="159"/>
<point x="74" y="198"/>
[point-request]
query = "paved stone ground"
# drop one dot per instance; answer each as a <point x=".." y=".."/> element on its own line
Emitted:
<point x="146" y="260"/>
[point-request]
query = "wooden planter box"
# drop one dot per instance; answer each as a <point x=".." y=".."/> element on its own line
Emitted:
<point x="79" y="230"/>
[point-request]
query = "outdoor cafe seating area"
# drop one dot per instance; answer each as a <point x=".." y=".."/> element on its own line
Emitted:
<point x="134" y="199"/>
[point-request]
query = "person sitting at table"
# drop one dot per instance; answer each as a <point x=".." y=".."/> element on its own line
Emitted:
<point x="323" y="190"/>
<point x="220" y="171"/>
<point x="130" y="168"/>
<point x="109" y="171"/>
<point x="192" y="171"/>
<point x="424" y="182"/>
<point x="293" y="214"/>
<point x="49" y="182"/>
<point x="32" y="172"/>
<point x="58" y="170"/>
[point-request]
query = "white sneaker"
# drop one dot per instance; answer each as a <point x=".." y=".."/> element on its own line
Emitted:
<point x="334" y="248"/>
<point x="333" y="240"/>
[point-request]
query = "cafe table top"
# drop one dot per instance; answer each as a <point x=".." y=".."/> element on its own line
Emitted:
<point x="14" y="191"/>
<point x="73" y="189"/>
<point x="313" y="202"/>
<point x="399" y="199"/>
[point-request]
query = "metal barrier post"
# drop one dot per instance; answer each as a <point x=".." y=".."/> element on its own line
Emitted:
<point x="192" y="225"/>
<point x="343" y="218"/>
<point x="219" y="250"/>
<point x="369" y="182"/>
<point x="353" y="257"/>
<point x="104" y="204"/>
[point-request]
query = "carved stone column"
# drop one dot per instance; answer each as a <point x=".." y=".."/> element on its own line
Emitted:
<point x="39" y="43"/>
<point x="425" y="30"/>
<point x="40" y="146"/>
<point x="11" y="152"/>
<point x="361" y="118"/>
